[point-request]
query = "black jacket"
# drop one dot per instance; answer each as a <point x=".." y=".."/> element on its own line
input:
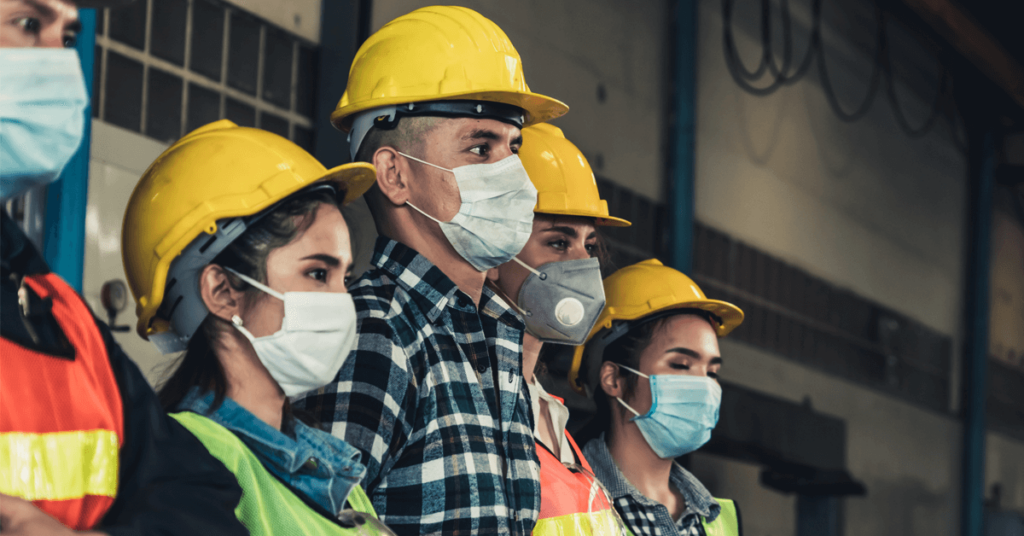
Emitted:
<point x="168" y="482"/>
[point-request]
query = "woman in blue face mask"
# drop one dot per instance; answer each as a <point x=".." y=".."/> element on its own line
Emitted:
<point x="653" y="358"/>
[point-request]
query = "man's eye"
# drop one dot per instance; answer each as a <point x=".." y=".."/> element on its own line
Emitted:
<point x="348" y="280"/>
<point x="515" y="149"/>
<point x="319" y="274"/>
<point x="481" y="150"/>
<point x="70" y="41"/>
<point x="713" y="375"/>
<point x="30" y="24"/>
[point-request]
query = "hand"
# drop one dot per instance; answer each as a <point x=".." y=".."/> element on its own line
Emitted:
<point x="19" y="517"/>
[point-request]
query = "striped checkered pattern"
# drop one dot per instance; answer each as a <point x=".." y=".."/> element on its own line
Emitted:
<point x="643" y="516"/>
<point x="447" y="441"/>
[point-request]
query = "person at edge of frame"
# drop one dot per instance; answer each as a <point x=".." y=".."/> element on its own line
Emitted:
<point x="652" y="363"/>
<point x="251" y="286"/>
<point x="557" y="286"/>
<point x="433" y="393"/>
<point x="84" y="443"/>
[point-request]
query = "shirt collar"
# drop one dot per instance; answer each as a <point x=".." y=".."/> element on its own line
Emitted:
<point x="17" y="253"/>
<point x="426" y="283"/>
<point x="277" y="451"/>
<point x="698" y="498"/>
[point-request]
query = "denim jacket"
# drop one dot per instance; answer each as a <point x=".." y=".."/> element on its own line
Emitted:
<point x="319" y="465"/>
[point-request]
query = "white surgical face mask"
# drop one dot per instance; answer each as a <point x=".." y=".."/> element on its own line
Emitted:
<point x="496" y="216"/>
<point x="42" y="115"/>
<point x="317" y="333"/>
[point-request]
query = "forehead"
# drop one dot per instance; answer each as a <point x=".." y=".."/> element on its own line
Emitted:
<point x="467" y="128"/>
<point x="686" y="331"/>
<point x="583" y="225"/>
<point x="66" y="10"/>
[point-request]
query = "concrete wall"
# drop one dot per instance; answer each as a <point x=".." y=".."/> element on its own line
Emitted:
<point x="569" y="49"/>
<point x="906" y="456"/>
<point x="119" y="158"/>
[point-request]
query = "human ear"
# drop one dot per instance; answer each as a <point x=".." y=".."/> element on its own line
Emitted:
<point x="610" y="381"/>
<point x="220" y="298"/>
<point x="390" y="170"/>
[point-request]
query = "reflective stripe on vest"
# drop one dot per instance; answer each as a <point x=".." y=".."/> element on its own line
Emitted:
<point x="569" y="504"/>
<point x="267" y="506"/>
<point x="727" y="523"/>
<point x="61" y="420"/>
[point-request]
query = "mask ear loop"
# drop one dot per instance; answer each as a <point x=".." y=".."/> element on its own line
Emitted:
<point x="410" y="157"/>
<point x="540" y="275"/>
<point x="256" y="284"/>
<point x="638" y="373"/>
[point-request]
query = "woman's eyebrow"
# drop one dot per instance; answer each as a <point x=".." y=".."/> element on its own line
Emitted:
<point x="324" y="258"/>
<point x="563" y="229"/>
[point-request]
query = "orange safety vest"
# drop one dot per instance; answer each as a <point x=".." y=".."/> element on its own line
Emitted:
<point x="569" y="503"/>
<point x="61" y="424"/>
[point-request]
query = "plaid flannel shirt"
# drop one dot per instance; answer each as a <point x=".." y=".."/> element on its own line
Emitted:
<point x="643" y="516"/>
<point x="447" y="442"/>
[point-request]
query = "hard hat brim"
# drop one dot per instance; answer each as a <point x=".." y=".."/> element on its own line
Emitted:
<point x="356" y="177"/>
<point x="601" y="220"/>
<point x="539" y="108"/>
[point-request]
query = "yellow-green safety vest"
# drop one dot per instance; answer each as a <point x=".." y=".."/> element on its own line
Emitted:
<point x="268" y="507"/>
<point x="727" y="523"/>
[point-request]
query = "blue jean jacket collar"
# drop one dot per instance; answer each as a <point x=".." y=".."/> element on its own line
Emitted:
<point x="321" y="466"/>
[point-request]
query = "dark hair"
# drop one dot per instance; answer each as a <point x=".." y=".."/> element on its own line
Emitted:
<point x="199" y="365"/>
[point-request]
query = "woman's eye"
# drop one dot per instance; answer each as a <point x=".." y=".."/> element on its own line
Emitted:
<point x="348" y="280"/>
<point x="591" y="249"/>
<point x="70" y="41"/>
<point x="713" y="375"/>
<point x="560" y="245"/>
<point x="481" y="150"/>
<point x="30" y="24"/>
<point x="319" y="274"/>
<point x="680" y="366"/>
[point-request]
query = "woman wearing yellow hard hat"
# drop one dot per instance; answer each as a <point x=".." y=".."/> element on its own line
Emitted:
<point x="653" y="362"/>
<point x="555" y="283"/>
<point x="237" y="253"/>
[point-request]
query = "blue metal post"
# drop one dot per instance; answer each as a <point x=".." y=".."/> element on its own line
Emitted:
<point x="66" y="199"/>
<point x="340" y="29"/>
<point x="981" y="165"/>
<point x="683" y="156"/>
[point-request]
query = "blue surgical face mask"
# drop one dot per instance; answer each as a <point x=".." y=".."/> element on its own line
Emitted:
<point x="42" y="115"/>
<point x="684" y="410"/>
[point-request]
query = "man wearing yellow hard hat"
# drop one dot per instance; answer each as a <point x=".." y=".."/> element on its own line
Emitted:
<point x="653" y="361"/>
<point x="84" y="445"/>
<point x="555" y="283"/>
<point x="433" y="394"/>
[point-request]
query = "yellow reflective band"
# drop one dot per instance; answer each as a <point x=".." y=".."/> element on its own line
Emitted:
<point x="600" y="523"/>
<point x="60" y="465"/>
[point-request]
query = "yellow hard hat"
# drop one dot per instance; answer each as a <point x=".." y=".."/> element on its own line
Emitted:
<point x="645" y="289"/>
<point x="440" y="53"/>
<point x="563" y="178"/>
<point x="217" y="172"/>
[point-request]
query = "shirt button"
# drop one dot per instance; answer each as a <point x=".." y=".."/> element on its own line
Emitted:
<point x="311" y="464"/>
<point x="481" y="367"/>
<point x="511" y="375"/>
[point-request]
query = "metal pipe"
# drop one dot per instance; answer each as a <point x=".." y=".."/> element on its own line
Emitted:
<point x="683" y="158"/>
<point x="982" y="172"/>
<point x="66" y="199"/>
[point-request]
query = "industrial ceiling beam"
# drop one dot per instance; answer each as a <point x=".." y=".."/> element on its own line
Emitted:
<point x="971" y="40"/>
